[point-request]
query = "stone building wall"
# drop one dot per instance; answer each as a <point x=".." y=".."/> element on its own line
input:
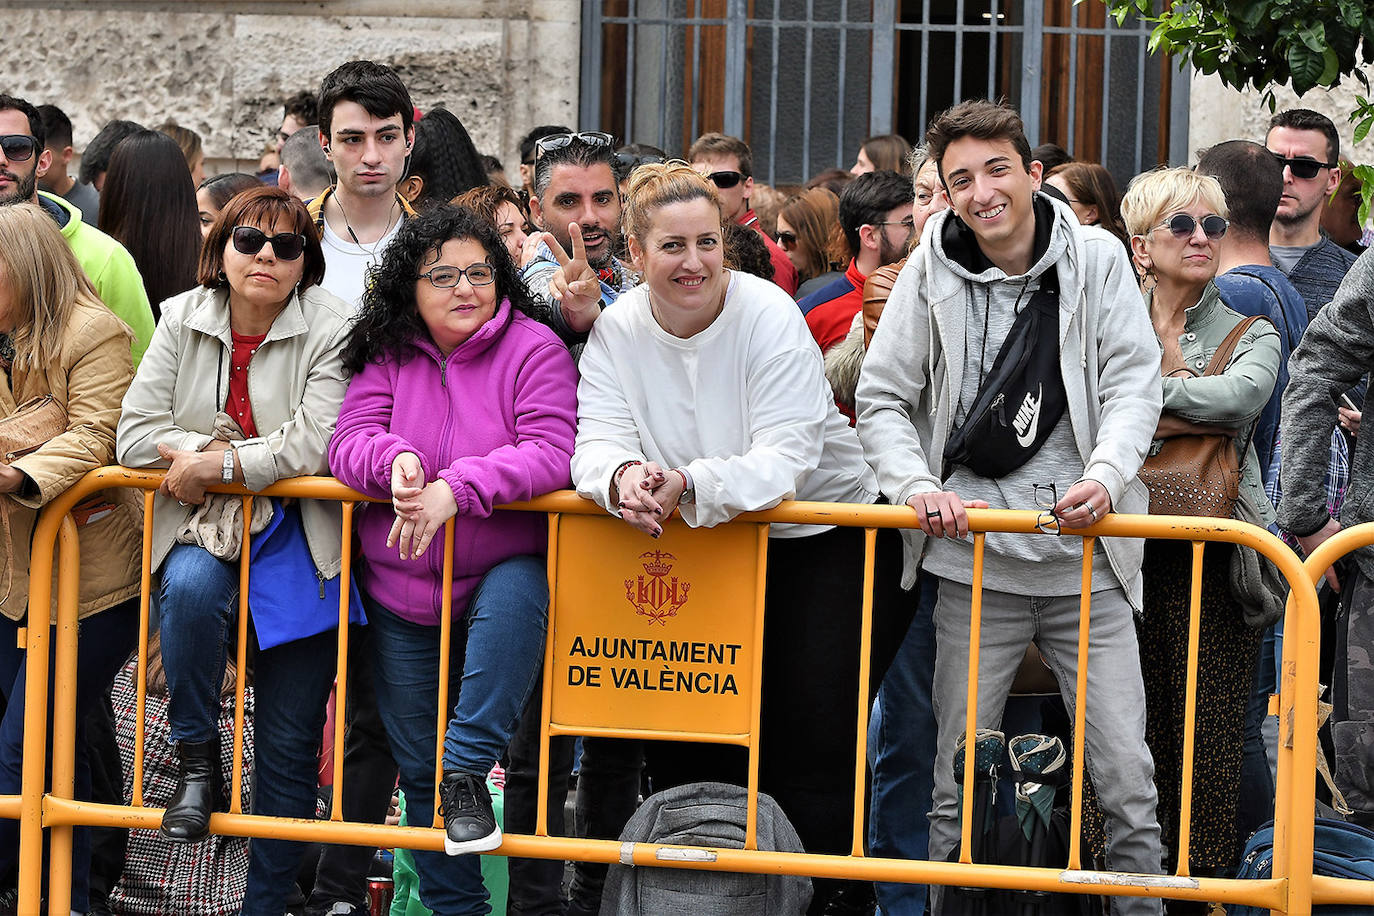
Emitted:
<point x="1219" y="113"/>
<point x="223" y="69"/>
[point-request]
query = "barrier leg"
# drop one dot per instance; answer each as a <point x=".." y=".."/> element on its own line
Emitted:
<point x="35" y="756"/>
<point x="64" y="717"/>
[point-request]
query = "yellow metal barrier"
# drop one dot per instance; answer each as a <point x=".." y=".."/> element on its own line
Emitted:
<point x="1349" y="891"/>
<point x="1289" y="890"/>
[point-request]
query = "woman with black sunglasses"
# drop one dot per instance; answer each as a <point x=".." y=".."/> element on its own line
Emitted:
<point x="1177" y="222"/>
<point x="242" y="383"/>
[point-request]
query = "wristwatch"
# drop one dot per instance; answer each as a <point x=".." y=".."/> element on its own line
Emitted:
<point x="689" y="490"/>
<point x="228" y="468"/>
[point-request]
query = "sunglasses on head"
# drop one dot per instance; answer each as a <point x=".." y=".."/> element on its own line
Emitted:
<point x="1183" y="225"/>
<point x="1304" y="168"/>
<point x="631" y="161"/>
<point x="18" y="147"/>
<point x="724" y="180"/>
<point x="787" y="239"/>
<point x="249" y="240"/>
<point x="559" y="141"/>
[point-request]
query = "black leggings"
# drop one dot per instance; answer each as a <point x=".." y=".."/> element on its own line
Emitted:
<point x="809" y="725"/>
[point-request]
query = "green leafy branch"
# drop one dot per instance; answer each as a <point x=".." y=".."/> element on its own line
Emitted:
<point x="1269" y="43"/>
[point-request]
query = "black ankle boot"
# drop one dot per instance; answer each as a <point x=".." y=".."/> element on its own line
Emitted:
<point x="187" y="818"/>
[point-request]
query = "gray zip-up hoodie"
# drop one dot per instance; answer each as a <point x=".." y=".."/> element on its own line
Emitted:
<point x="917" y="364"/>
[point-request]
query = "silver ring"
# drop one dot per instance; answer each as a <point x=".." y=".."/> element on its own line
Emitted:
<point x="182" y="503"/>
<point x="935" y="514"/>
<point x="1092" y="510"/>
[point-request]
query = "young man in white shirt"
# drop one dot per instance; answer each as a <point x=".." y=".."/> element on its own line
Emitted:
<point x="367" y="129"/>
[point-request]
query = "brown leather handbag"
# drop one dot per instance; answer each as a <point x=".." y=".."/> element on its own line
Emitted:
<point x="1198" y="474"/>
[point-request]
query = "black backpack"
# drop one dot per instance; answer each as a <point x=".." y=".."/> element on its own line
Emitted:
<point x="1022" y="399"/>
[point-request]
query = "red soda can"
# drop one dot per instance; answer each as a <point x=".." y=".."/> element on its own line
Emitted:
<point x="379" y="893"/>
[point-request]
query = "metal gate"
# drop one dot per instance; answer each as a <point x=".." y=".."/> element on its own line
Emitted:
<point x="805" y="81"/>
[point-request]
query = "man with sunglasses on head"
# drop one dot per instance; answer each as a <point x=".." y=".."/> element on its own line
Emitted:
<point x="1009" y="265"/>
<point x="366" y="129"/>
<point x="110" y="268"/>
<point x="574" y="272"/>
<point x="1306" y="144"/>
<point x="573" y="275"/>
<point x="729" y="163"/>
<point x="875" y="214"/>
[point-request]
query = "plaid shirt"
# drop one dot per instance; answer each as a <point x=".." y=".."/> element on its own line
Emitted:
<point x="1337" y="481"/>
<point x="161" y="877"/>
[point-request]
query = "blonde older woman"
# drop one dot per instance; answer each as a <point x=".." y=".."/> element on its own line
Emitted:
<point x="1177" y="223"/>
<point x="58" y="340"/>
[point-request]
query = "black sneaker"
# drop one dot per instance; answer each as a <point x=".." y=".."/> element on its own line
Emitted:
<point x="469" y="823"/>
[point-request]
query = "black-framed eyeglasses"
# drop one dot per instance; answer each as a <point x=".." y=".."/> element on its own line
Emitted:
<point x="787" y="239"/>
<point x="1304" y="167"/>
<point x="559" y="141"/>
<point x="725" y="179"/>
<point x="1183" y="225"/>
<point x="18" y="147"/>
<point x="1046" y="498"/>
<point x="909" y="223"/>
<point x="478" y="274"/>
<point x="249" y="240"/>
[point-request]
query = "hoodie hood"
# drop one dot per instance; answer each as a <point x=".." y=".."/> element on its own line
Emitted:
<point x="957" y="246"/>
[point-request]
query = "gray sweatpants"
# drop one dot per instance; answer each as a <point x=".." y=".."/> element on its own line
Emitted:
<point x="1117" y="758"/>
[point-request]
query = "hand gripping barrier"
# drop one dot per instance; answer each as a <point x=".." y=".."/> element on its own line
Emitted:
<point x="712" y="694"/>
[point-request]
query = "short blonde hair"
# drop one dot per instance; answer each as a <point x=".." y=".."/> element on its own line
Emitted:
<point x="1154" y="195"/>
<point x="46" y="281"/>
<point x="657" y="184"/>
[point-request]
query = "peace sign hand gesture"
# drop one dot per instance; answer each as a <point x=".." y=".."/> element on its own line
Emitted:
<point x="575" y="284"/>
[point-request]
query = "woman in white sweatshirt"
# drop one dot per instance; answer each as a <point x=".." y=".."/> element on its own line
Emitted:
<point x="703" y="392"/>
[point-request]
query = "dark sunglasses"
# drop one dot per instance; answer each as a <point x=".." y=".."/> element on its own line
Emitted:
<point x="18" y="147"/>
<point x="724" y="180"/>
<point x="1183" y="225"/>
<point x="287" y="246"/>
<point x="1304" y="168"/>
<point x="559" y="141"/>
<point x="787" y="239"/>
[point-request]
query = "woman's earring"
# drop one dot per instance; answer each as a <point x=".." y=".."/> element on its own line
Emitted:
<point x="1148" y="280"/>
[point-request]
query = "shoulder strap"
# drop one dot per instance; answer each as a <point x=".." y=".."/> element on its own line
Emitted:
<point x="1222" y="356"/>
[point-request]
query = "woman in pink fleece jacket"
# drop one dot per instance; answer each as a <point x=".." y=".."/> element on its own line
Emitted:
<point x="459" y="402"/>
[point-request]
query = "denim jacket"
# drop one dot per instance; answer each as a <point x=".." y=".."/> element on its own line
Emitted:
<point x="1236" y="397"/>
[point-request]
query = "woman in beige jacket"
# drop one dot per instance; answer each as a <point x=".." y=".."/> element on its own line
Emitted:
<point x="242" y="383"/>
<point x="57" y="339"/>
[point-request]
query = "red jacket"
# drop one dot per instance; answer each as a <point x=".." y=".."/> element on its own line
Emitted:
<point x="830" y="317"/>
<point x="784" y="274"/>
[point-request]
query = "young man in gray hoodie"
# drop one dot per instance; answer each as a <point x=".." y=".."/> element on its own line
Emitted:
<point x="950" y="311"/>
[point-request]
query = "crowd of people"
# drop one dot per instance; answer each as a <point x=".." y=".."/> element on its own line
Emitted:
<point x="670" y="337"/>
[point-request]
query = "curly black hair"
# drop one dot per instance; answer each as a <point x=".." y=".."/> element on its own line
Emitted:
<point x="390" y="321"/>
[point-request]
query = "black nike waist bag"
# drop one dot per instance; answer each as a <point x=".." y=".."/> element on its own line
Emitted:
<point x="1022" y="399"/>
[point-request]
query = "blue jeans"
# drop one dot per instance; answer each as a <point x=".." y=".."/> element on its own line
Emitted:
<point x="291" y="683"/>
<point x="103" y="644"/>
<point x="903" y="754"/>
<point x="494" y="663"/>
